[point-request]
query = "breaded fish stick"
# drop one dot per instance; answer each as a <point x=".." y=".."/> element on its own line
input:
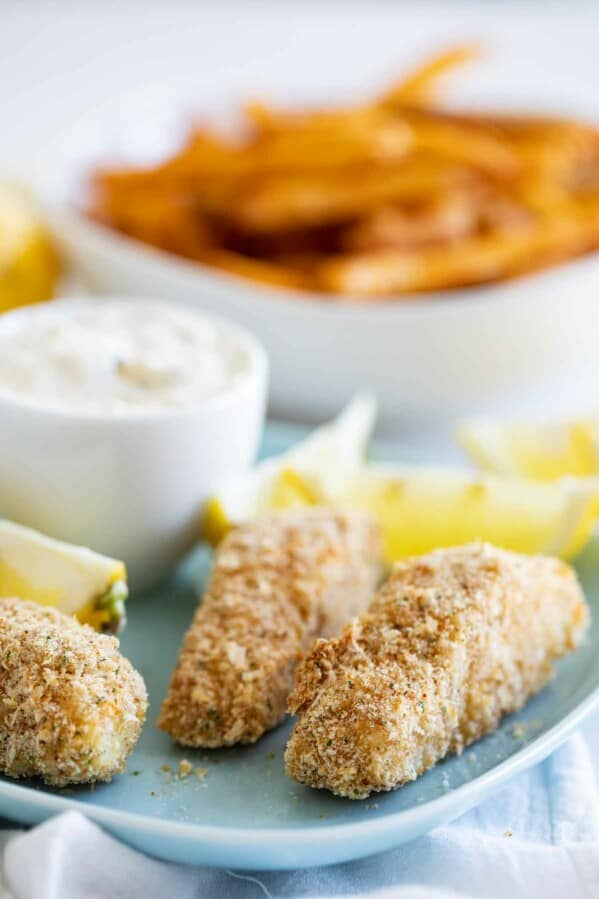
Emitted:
<point x="452" y="642"/>
<point x="71" y="707"/>
<point x="276" y="584"/>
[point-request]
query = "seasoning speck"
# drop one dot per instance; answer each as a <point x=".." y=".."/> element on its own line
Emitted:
<point x="185" y="768"/>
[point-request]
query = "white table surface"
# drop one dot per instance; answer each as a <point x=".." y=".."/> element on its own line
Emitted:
<point x="59" y="57"/>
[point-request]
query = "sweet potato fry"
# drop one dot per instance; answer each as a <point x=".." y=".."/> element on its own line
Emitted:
<point x="418" y="86"/>
<point x="475" y="260"/>
<point x="450" y="216"/>
<point x="470" y="145"/>
<point x="313" y="200"/>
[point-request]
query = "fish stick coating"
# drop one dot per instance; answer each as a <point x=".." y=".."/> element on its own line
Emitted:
<point x="276" y="584"/>
<point x="453" y="641"/>
<point x="71" y="706"/>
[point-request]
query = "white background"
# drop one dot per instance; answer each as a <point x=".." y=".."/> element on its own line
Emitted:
<point x="59" y="58"/>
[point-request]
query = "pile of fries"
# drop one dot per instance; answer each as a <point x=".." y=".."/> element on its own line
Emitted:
<point x="394" y="197"/>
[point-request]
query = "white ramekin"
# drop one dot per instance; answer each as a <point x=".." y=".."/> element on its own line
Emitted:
<point x="131" y="486"/>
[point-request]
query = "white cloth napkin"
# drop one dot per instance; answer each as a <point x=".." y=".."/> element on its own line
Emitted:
<point x="539" y="837"/>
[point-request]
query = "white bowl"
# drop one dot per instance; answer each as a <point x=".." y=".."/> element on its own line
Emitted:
<point x="526" y="346"/>
<point x="129" y="485"/>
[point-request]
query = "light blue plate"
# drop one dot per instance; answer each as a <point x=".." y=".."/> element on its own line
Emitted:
<point x="247" y="813"/>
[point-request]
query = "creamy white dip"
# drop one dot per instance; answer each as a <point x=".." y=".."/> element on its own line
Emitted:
<point x="117" y="356"/>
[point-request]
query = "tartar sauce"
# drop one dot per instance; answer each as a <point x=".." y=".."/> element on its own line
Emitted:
<point x="117" y="356"/>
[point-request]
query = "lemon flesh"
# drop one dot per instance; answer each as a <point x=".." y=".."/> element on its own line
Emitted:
<point x="419" y="508"/>
<point x="29" y="266"/>
<point x="315" y="471"/>
<point x="70" y="578"/>
<point x="542" y="452"/>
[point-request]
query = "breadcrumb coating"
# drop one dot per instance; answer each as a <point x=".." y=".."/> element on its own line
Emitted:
<point x="453" y="641"/>
<point x="276" y="584"/>
<point x="71" y="706"/>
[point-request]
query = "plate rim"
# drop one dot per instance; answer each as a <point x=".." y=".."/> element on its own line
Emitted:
<point x="442" y="808"/>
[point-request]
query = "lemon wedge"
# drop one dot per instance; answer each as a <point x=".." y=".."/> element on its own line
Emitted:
<point x="29" y="267"/>
<point x="420" y="508"/>
<point x="315" y="471"/>
<point x="71" y="578"/>
<point x="539" y="451"/>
